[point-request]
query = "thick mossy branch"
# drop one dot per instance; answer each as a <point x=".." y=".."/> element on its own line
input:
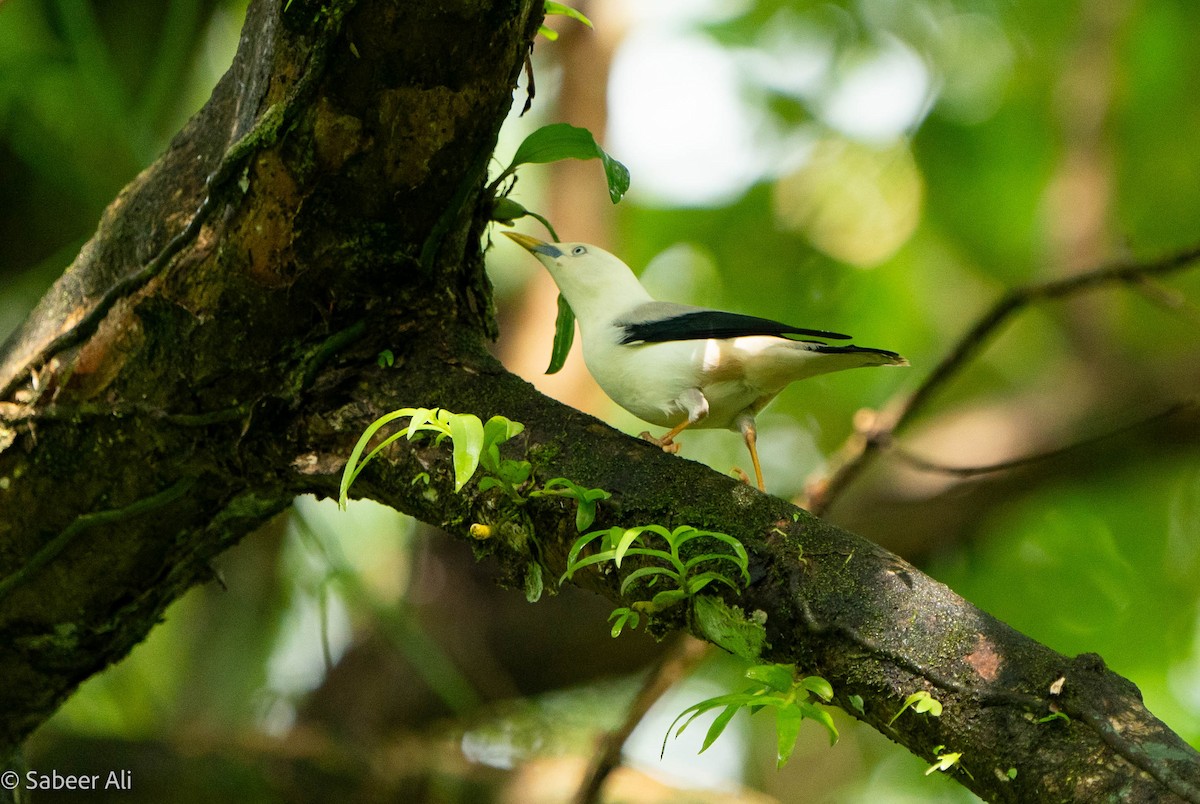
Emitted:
<point x="835" y="605"/>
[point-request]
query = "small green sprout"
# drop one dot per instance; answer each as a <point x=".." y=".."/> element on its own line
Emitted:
<point x="585" y="499"/>
<point x="553" y="8"/>
<point x="622" y="617"/>
<point x="475" y="444"/>
<point x="921" y="702"/>
<point x="507" y="211"/>
<point x="945" y="761"/>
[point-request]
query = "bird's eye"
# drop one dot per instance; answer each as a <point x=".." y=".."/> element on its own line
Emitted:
<point x="578" y="250"/>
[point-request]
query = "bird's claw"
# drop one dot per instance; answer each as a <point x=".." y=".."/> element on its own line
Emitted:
<point x="740" y="474"/>
<point x="667" y="444"/>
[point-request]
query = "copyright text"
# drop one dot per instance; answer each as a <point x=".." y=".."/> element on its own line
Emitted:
<point x="37" y="780"/>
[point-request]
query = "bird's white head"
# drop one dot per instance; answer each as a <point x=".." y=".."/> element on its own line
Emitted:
<point x="594" y="282"/>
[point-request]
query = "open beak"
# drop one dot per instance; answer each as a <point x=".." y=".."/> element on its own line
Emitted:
<point x="533" y="245"/>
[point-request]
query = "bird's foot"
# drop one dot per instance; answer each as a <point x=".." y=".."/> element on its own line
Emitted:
<point x="740" y="474"/>
<point x="666" y="443"/>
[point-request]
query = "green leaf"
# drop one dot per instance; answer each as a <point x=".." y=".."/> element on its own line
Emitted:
<point x="585" y="514"/>
<point x="564" y="336"/>
<point x="505" y="210"/>
<point x="500" y="429"/>
<point x="353" y="465"/>
<point x="945" y="762"/>
<point x="562" y="486"/>
<point x="489" y="482"/>
<point x="920" y="701"/>
<point x="667" y="598"/>
<point x="467" y="431"/>
<point x="818" y="687"/>
<point x="779" y="677"/>
<point x="728" y="627"/>
<point x="580" y="543"/>
<point x="646" y="572"/>
<point x="743" y="560"/>
<point x="574" y="567"/>
<point x="424" y="419"/>
<point x="821" y="716"/>
<point x="623" y="544"/>
<point x="703" y="557"/>
<point x="628" y="537"/>
<point x="697" y="582"/>
<point x="787" y="729"/>
<point x="564" y="141"/>
<point x="856" y="701"/>
<point x="927" y="703"/>
<point x="718" y="726"/>
<point x="489" y="459"/>
<point x="566" y="11"/>
<point x="514" y="473"/>
<point x="694" y="711"/>
<point x="623" y="616"/>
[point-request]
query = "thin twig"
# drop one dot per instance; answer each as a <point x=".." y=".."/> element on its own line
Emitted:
<point x="926" y="465"/>
<point x="864" y="447"/>
<point x="1167" y="298"/>
<point x="679" y="660"/>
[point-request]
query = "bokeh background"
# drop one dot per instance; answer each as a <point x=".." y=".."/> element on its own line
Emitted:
<point x="871" y="167"/>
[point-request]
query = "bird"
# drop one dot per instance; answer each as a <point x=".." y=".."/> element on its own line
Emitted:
<point x="677" y="365"/>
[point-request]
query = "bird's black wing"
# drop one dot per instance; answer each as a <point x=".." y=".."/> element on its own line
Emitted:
<point x="697" y="323"/>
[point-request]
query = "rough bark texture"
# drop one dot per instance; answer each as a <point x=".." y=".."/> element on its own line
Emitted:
<point x="212" y="353"/>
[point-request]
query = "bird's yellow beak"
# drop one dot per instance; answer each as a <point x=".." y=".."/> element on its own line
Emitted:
<point x="533" y="245"/>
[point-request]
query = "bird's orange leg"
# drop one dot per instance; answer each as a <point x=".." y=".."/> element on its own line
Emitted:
<point x="746" y="425"/>
<point x="667" y="442"/>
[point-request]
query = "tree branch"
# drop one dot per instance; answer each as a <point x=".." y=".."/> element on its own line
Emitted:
<point x="926" y="465"/>
<point x="863" y="447"/>
<point x="836" y="605"/>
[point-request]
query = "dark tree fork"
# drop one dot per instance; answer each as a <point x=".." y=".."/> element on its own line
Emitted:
<point x="211" y="354"/>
